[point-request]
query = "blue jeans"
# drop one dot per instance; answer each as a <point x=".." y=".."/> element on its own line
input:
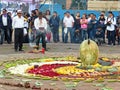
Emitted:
<point x="71" y="30"/>
<point x="1" y="36"/>
<point x="55" y="31"/>
<point x="84" y="34"/>
<point x="92" y="34"/>
<point x="62" y="33"/>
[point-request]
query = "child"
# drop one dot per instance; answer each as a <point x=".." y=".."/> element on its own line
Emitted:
<point x="77" y="36"/>
<point x="99" y="35"/>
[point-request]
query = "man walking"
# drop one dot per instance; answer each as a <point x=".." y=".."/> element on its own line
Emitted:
<point x="40" y="24"/>
<point x="5" y="26"/>
<point x="18" y="25"/>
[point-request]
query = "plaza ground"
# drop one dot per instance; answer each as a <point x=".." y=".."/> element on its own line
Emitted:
<point x="7" y="53"/>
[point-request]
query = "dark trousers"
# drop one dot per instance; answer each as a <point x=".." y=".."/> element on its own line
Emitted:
<point x="62" y="33"/>
<point x="10" y="35"/>
<point x="111" y="37"/>
<point x="118" y="40"/>
<point x="55" y="31"/>
<point x="18" y="38"/>
<point x="1" y="36"/>
<point x="7" y="34"/>
<point x="40" y="35"/>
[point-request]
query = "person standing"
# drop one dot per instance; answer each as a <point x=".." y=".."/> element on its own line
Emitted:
<point x="94" y="23"/>
<point x="48" y="33"/>
<point x="77" y="34"/>
<point x="32" y="6"/>
<point x="54" y="24"/>
<point x="32" y="31"/>
<point x="18" y="26"/>
<point x="5" y="26"/>
<point x="40" y="24"/>
<point x="84" y="23"/>
<point x="102" y="23"/>
<point x="68" y="23"/>
<point x="63" y="27"/>
<point x="110" y="23"/>
<point x="118" y="28"/>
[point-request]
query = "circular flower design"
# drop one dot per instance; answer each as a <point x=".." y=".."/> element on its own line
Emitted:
<point x="65" y="69"/>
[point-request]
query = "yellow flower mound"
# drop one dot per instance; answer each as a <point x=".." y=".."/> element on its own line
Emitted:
<point x="71" y="70"/>
<point x="70" y="58"/>
<point x="96" y="65"/>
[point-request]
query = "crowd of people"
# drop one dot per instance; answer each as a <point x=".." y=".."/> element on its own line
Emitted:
<point x="100" y="29"/>
<point x="40" y="27"/>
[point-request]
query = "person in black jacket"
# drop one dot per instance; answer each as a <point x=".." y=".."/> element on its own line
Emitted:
<point x="5" y="26"/>
<point x="54" y="24"/>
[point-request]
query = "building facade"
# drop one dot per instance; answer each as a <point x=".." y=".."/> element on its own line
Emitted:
<point x="106" y="5"/>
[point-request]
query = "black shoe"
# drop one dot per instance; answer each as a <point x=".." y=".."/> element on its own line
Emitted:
<point x="9" y="42"/>
<point x="21" y="50"/>
<point x="1" y="43"/>
<point x="113" y="44"/>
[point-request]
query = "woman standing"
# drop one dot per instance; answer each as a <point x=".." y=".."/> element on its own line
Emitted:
<point x="110" y="22"/>
<point x="84" y="26"/>
<point x="77" y="35"/>
<point x="102" y="24"/>
<point x="48" y="33"/>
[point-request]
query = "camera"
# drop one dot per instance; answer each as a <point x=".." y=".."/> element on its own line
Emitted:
<point x="108" y="24"/>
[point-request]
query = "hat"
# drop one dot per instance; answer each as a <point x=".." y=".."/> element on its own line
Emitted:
<point x="19" y="11"/>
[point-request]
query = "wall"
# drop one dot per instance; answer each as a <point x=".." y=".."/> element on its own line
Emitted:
<point x="103" y="5"/>
<point x="61" y="11"/>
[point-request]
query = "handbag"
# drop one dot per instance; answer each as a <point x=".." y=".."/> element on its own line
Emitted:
<point x="65" y="30"/>
<point x="25" y="31"/>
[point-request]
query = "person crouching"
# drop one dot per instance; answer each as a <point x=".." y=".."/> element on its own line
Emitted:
<point x="40" y="24"/>
<point x="99" y="36"/>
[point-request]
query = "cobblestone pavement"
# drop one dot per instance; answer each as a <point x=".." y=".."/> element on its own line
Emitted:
<point x="55" y="50"/>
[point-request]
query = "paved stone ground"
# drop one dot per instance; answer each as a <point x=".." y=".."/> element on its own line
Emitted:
<point x="56" y="50"/>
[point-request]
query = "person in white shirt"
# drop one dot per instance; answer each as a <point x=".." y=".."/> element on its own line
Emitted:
<point x="110" y="23"/>
<point x="32" y="6"/>
<point x="18" y="26"/>
<point x="68" y="23"/>
<point x="40" y="24"/>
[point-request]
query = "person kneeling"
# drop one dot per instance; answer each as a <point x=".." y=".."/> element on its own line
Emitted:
<point x="99" y="36"/>
<point x="40" y="24"/>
